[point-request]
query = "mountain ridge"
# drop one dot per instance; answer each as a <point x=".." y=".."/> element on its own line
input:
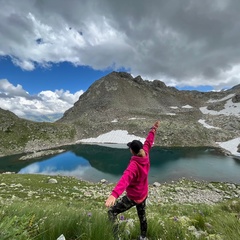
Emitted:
<point x="120" y="101"/>
<point x="120" y="97"/>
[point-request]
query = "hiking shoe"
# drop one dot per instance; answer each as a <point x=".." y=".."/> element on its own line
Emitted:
<point x="142" y="238"/>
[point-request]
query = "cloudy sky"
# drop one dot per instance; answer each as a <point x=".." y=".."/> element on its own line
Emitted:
<point x="51" y="51"/>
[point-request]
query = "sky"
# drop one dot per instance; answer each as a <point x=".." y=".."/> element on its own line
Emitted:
<point x="51" y="51"/>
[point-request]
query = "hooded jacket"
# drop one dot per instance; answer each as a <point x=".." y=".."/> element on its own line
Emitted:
<point x="135" y="178"/>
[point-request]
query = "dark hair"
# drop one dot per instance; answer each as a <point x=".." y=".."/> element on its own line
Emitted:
<point x="135" y="145"/>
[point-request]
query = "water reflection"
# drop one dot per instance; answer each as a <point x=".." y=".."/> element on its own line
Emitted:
<point x="67" y="164"/>
<point x="93" y="163"/>
<point x="237" y="160"/>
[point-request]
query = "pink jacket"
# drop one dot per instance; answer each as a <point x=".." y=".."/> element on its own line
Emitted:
<point x="135" y="178"/>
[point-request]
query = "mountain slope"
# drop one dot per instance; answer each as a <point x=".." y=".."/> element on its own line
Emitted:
<point x="119" y="101"/>
<point x="19" y="135"/>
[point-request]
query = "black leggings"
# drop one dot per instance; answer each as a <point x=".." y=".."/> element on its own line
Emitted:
<point x="123" y="205"/>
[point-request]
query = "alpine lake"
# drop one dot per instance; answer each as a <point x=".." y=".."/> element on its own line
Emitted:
<point x="96" y="162"/>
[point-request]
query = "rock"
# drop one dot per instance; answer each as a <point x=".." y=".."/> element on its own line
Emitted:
<point x="87" y="194"/>
<point x="156" y="184"/>
<point x="227" y="197"/>
<point x="16" y="185"/>
<point x="217" y="190"/>
<point x="236" y="98"/>
<point x="61" y="237"/>
<point x="103" y="181"/>
<point x="192" y="228"/>
<point x="232" y="186"/>
<point x="208" y="225"/>
<point x="237" y="192"/>
<point x="52" y="180"/>
<point x="148" y="202"/>
<point x="214" y="237"/>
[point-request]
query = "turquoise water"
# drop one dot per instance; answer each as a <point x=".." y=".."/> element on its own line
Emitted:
<point x="93" y="163"/>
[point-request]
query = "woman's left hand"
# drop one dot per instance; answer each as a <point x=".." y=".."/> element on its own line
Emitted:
<point x="110" y="201"/>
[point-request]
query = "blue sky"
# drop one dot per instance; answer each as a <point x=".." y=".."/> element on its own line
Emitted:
<point x="58" y="76"/>
<point x="52" y="51"/>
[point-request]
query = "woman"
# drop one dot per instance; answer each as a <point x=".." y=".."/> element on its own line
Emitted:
<point x="135" y="181"/>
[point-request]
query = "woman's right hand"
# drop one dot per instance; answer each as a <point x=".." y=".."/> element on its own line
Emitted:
<point x="110" y="201"/>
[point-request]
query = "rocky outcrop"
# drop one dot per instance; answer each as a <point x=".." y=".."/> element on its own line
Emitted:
<point x="41" y="154"/>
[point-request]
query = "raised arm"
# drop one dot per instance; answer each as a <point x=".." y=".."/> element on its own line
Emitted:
<point x="150" y="137"/>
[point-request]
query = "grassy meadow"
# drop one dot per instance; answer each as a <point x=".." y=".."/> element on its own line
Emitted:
<point x="33" y="208"/>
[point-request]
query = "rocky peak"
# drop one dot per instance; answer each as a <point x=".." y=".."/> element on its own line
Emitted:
<point x="113" y="100"/>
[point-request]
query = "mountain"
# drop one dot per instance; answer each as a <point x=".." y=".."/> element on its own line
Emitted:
<point x="43" y="118"/>
<point x="188" y="118"/>
<point x="19" y="135"/>
<point x="119" y="101"/>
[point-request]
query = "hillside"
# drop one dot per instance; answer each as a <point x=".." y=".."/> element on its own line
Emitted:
<point x="42" y="207"/>
<point x="19" y="135"/>
<point x="120" y="102"/>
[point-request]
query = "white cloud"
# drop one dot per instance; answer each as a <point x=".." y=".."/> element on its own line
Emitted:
<point x="18" y="101"/>
<point x="24" y="64"/>
<point x="181" y="43"/>
<point x="10" y="90"/>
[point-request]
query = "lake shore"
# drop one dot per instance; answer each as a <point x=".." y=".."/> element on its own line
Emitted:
<point x="181" y="191"/>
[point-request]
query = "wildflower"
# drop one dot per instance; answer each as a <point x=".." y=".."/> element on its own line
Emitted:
<point x="31" y="221"/>
<point x="89" y="214"/>
<point x="121" y="217"/>
<point x="175" y="219"/>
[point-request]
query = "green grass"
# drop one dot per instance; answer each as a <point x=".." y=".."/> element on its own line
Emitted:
<point x="32" y="208"/>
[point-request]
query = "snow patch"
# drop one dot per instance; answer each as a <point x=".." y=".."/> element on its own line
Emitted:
<point x="135" y="118"/>
<point x="230" y="108"/>
<point x="203" y="122"/>
<point x="222" y="99"/>
<point x="115" y="136"/>
<point x="231" y="146"/>
<point x="171" y="114"/>
<point x="187" y="106"/>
